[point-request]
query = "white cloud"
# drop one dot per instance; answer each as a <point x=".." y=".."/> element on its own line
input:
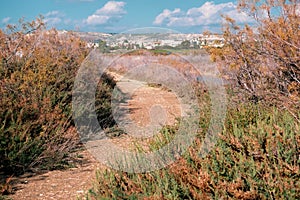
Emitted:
<point x="166" y="14"/>
<point x="5" y="20"/>
<point x="111" y="11"/>
<point x="112" y="8"/>
<point x="53" y="21"/>
<point x="207" y="14"/>
<point x="54" y="17"/>
<point x="53" y="13"/>
<point x="97" y="19"/>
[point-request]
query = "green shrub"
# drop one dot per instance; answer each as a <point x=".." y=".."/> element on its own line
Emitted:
<point x="256" y="157"/>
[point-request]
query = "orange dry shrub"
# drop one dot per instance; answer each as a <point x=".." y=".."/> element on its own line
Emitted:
<point x="264" y="59"/>
<point x="37" y="68"/>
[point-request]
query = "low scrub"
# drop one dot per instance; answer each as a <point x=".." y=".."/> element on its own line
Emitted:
<point x="256" y="157"/>
<point x="37" y="70"/>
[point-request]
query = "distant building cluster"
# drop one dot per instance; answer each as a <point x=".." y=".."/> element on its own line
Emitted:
<point x="144" y="41"/>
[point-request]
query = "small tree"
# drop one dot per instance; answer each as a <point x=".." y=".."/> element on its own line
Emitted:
<point x="263" y="59"/>
<point x="185" y="44"/>
<point x="103" y="46"/>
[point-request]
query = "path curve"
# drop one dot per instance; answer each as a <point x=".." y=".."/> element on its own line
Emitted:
<point x="75" y="182"/>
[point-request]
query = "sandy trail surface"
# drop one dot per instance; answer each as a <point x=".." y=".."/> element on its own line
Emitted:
<point x="146" y="105"/>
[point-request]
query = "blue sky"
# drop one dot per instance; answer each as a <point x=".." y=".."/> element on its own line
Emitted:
<point x="188" y="16"/>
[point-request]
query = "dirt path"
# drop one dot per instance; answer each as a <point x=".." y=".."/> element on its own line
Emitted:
<point x="58" y="184"/>
<point x="141" y="106"/>
<point x="145" y="106"/>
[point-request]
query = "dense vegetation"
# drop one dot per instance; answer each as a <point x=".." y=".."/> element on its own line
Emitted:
<point x="257" y="155"/>
<point x="37" y="71"/>
<point x="263" y="61"/>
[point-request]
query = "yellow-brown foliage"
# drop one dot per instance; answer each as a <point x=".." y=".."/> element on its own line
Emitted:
<point x="264" y="59"/>
<point x="37" y="70"/>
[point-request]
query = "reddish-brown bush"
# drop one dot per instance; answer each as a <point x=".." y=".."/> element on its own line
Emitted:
<point x="37" y="70"/>
<point x="263" y="59"/>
